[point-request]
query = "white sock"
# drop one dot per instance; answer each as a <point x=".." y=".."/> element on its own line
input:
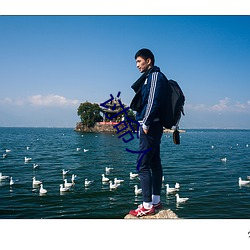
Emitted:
<point x="147" y="205"/>
<point x="156" y="199"/>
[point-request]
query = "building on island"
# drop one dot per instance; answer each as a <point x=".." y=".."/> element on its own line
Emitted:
<point x="114" y="107"/>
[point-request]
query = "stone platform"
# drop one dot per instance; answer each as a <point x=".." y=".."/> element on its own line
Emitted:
<point x="160" y="214"/>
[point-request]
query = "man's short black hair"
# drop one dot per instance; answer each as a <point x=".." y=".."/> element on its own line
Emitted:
<point x="145" y="54"/>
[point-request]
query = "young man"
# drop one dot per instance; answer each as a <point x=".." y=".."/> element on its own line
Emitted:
<point x="147" y="103"/>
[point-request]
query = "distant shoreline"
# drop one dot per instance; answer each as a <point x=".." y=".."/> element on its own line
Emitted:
<point x="72" y="127"/>
<point x="172" y="130"/>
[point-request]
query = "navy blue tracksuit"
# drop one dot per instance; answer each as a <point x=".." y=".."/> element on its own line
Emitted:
<point x="150" y="168"/>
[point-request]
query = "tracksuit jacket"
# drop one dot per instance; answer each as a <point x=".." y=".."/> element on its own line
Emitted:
<point x="147" y="102"/>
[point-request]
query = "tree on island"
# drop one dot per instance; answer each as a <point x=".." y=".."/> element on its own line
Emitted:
<point x="89" y="113"/>
<point x="131" y="115"/>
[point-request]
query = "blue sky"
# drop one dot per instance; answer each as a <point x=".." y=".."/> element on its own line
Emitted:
<point x="50" y="64"/>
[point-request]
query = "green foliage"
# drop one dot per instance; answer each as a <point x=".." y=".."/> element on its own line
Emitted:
<point x="131" y="114"/>
<point x="89" y="113"/>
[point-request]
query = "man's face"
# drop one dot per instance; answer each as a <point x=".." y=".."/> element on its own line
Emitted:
<point x="143" y="65"/>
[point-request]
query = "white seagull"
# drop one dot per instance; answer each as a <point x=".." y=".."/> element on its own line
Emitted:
<point x="137" y="190"/>
<point x="3" y="177"/>
<point x="180" y="200"/>
<point x="27" y="159"/>
<point x="242" y="182"/>
<point x="64" y="172"/>
<point x="117" y="181"/>
<point x="107" y="170"/>
<point x="36" y="182"/>
<point x="132" y="176"/>
<point x="42" y="190"/>
<point x="87" y="182"/>
<point x="85" y="150"/>
<point x="170" y="190"/>
<point x="4" y="155"/>
<point x="224" y="159"/>
<point x="78" y="149"/>
<point x="67" y="184"/>
<point x="177" y="185"/>
<point x="113" y="186"/>
<point x="12" y="182"/>
<point x="63" y="189"/>
<point x="35" y="165"/>
<point x="104" y="179"/>
<point x="73" y="178"/>
<point x="8" y="150"/>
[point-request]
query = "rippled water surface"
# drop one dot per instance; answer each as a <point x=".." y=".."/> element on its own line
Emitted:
<point x="211" y="184"/>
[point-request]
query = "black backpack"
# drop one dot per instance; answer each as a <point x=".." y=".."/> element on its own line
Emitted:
<point x="172" y="105"/>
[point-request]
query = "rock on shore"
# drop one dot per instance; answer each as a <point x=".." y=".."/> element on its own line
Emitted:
<point x="96" y="129"/>
<point x="161" y="214"/>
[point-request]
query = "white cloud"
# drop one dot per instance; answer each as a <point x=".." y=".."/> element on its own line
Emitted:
<point x="224" y="105"/>
<point x="10" y="101"/>
<point x="51" y="100"/>
<point x="40" y="100"/>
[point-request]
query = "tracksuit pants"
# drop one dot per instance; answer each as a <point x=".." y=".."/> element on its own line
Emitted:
<point x="150" y="168"/>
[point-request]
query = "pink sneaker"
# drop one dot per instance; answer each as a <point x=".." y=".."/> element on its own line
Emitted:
<point x="141" y="211"/>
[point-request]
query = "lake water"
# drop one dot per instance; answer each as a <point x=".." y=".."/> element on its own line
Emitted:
<point x="211" y="184"/>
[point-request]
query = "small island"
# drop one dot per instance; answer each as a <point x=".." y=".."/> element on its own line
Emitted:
<point x="95" y="118"/>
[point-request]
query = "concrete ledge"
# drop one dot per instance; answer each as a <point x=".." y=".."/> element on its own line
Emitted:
<point x="161" y="214"/>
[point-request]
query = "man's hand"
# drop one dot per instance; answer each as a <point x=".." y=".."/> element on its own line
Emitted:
<point x="145" y="130"/>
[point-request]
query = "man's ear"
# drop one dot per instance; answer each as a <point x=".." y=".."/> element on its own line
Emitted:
<point x="148" y="61"/>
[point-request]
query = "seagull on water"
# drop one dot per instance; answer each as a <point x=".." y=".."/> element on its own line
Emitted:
<point x="78" y="149"/>
<point x="170" y="190"/>
<point x="177" y="185"/>
<point x="104" y="179"/>
<point x="180" y="200"/>
<point x="107" y="170"/>
<point x="12" y="182"/>
<point x="8" y="150"/>
<point x="64" y="172"/>
<point x="132" y="176"/>
<point x="42" y="190"/>
<point x="137" y="190"/>
<point x="242" y="182"/>
<point x="117" y="181"/>
<point x="113" y="186"/>
<point x="85" y="150"/>
<point x="68" y="184"/>
<point x="87" y="182"/>
<point x="35" y="165"/>
<point x="63" y="189"/>
<point x="36" y="182"/>
<point x="3" y="177"/>
<point x="27" y="159"/>
<point x="4" y="155"/>
<point x="224" y="159"/>
<point x="73" y="178"/>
